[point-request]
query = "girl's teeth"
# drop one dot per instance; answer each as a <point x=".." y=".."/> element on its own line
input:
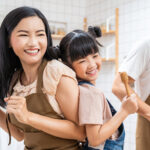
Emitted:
<point x="92" y="72"/>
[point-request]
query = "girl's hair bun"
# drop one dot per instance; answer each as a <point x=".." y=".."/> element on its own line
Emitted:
<point x="55" y="52"/>
<point x="95" y="31"/>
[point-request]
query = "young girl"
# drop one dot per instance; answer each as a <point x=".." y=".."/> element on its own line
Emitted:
<point x="79" y="51"/>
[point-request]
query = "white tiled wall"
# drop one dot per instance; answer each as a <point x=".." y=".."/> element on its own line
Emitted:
<point x="134" y="23"/>
<point x="70" y="11"/>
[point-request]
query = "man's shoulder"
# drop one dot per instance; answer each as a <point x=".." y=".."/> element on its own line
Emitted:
<point x="143" y="45"/>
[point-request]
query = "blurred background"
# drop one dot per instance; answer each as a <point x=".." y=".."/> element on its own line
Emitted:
<point x="123" y="23"/>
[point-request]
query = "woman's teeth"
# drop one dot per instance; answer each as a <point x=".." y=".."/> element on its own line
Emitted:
<point x="32" y="51"/>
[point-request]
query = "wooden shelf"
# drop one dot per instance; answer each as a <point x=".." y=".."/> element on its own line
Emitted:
<point x="57" y="36"/>
<point x="109" y="59"/>
<point x="109" y="32"/>
<point x="116" y="34"/>
<point x="117" y="39"/>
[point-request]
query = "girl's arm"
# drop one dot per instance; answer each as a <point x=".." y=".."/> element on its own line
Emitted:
<point x="16" y="133"/>
<point x="97" y="134"/>
<point x="67" y="97"/>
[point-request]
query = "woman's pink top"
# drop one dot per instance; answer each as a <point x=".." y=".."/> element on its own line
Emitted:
<point x="52" y="74"/>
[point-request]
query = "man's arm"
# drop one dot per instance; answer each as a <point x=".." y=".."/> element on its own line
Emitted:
<point x="118" y="89"/>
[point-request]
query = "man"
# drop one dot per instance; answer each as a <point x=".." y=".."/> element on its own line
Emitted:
<point x="137" y="66"/>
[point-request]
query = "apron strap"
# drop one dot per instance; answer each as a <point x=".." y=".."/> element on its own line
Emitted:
<point x="14" y="80"/>
<point x="40" y="76"/>
<point x="7" y="124"/>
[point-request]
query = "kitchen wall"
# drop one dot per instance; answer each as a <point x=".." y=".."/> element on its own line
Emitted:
<point x="70" y="11"/>
<point x="134" y="23"/>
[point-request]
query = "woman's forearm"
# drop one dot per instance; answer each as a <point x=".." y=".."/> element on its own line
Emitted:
<point x="18" y="135"/>
<point x="56" y="127"/>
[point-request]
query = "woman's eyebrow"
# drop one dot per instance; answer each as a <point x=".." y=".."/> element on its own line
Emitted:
<point x="22" y="31"/>
<point x="28" y="31"/>
<point x="40" y="31"/>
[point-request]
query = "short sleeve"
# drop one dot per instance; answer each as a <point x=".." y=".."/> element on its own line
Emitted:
<point x="52" y="75"/>
<point x="91" y="105"/>
<point x="136" y="61"/>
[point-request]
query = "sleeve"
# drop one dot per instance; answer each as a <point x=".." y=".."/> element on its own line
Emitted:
<point x="136" y="61"/>
<point x="52" y="75"/>
<point x="91" y="106"/>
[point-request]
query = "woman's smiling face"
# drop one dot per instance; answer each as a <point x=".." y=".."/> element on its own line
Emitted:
<point x="29" y="40"/>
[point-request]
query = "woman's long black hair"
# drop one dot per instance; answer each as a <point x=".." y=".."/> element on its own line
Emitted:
<point x="9" y="62"/>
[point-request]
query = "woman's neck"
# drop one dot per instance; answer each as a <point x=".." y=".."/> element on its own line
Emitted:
<point x="30" y="73"/>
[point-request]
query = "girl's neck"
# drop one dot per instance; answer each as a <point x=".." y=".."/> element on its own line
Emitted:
<point x="93" y="82"/>
<point x="81" y="80"/>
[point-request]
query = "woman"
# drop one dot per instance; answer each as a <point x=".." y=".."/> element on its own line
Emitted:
<point x="32" y="85"/>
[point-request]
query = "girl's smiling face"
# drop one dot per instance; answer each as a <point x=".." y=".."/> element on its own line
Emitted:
<point x="88" y="68"/>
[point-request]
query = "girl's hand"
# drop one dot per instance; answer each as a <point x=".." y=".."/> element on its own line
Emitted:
<point x="17" y="106"/>
<point x="130" y="104"/>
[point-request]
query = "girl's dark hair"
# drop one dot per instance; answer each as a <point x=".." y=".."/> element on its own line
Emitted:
<point x="9" y="62"/>
<point x="78" y="44"/>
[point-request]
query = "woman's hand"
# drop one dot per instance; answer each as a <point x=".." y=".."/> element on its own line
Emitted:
<point x="130" y="104"/>
<point x="17" y="106"/>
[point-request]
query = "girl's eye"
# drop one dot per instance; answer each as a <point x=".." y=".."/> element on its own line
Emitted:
<point x="82" y="61"/>
<point x="95" y="56"/>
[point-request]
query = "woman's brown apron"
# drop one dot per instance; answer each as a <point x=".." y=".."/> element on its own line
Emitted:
<point x="143" y="132"/>
<point x="35" y="139"/>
